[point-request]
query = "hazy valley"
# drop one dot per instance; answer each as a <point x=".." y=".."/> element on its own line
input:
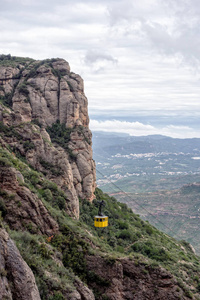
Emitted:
<point x="154" y="175"/>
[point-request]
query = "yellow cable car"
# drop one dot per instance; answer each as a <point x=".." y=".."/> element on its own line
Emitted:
<point x="101" y="220"/>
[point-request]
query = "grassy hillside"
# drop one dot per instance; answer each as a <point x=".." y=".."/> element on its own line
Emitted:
<point x="177" y="209"/>
<point x="126" y="235"/>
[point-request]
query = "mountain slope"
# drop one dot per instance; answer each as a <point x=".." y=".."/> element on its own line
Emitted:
<point x="177" y="209"/>
<point x="124" y="259"/>
<point x="44" y="169"/>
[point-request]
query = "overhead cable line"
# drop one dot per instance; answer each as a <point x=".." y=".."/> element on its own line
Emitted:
<point x="149" y="213"/>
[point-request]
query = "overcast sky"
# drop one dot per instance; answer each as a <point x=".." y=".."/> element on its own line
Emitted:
<point x="140" y="60"/>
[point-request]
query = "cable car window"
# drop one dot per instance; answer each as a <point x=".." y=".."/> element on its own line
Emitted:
<point x="100" y="220"/>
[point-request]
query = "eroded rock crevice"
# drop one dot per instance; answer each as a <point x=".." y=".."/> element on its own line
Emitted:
<point x="47" y="92"/>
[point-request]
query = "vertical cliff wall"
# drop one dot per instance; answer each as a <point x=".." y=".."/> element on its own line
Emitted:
<point x="44" y="110"/>
<point x="16" y="280"/>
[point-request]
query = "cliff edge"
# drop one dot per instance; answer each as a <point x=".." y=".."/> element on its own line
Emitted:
<point x="44" y="106"/>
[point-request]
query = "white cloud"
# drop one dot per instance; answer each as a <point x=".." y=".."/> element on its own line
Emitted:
<point x="99" y="60"/>
<point x="93" y="56"/>
<point x="136" y="57"/>
<point x="140" y="129"/>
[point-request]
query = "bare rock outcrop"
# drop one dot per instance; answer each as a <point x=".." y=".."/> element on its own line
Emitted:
<point x="46" y="92"/>
<point x="125" y="279"/>
<point x="49" y="92"/>
<point x="83" y="291"/>
<point x="16" y="278"/>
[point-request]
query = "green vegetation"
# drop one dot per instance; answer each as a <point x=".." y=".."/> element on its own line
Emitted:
<point x="130" y="235"/>
<point x="28" y="145"/>
<point x="23" y="89"/>
<point x="44" y="189"/>
<point x="73" y="249"/>
<point x="53" y="169"/>
<point x="174" y="212"/>
<point x="126" y="235"/>
<point x="6" y="100"/>
<point x="13" y="61"/>
<point x="36" y="122"/>
<point x="61" y="135"/>
<point x="126" y="230"/>
<point x="70" y="86"/>
<point x="52" y="280"/>
<point x="3" y="208"/>
<point x="11" y="131"/>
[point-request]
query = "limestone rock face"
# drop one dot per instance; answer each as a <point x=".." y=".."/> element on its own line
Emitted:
<point x="9" y="77"/>
<point x="129" y="280"/>
<point x="35" y="97"/>
<point x="49" y="93"/>
<point x="17" y="280"/>
<point x="24" y="208"/>
<point x="84" y="293"/>
<point x="43" y="93"/>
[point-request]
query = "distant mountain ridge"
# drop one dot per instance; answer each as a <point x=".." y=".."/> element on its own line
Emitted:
<point x="114" y="143"/>
<point x="146" y="158"/>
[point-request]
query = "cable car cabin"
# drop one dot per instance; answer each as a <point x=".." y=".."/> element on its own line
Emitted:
<point x="101" y="221"/>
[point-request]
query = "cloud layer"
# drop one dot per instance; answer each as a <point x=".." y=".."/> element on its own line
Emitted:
<point x="140" y="129"/>
<point x="136" y="57"/>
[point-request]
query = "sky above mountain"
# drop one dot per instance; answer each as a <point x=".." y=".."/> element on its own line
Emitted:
<point x="140" y="60"/>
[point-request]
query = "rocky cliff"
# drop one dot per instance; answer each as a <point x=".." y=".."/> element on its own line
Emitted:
<point x="16" y="278"/>
<point x="125" y="279"/>
<point x="36" y="95"/>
